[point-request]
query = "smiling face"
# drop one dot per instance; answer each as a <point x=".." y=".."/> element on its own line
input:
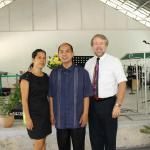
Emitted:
<point x="99" y="46"/>
<point x="39" y="60"/>
<point x="65" y="54"/>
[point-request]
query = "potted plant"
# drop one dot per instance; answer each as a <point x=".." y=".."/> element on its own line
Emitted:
<point x="7" y="104"/>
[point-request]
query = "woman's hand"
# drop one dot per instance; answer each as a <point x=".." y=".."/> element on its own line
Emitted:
<point x="29" y="123"/>
<point x="52" y="119"/>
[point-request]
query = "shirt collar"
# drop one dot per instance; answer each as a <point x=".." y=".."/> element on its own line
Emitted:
<point x="70" y="68"/>
<point x="102" y="57"/>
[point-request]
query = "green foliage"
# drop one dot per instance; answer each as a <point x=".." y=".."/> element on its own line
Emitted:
<point x="6" y="106"/>
<point x="54" y="62"/>
<point x="145" y="130"/>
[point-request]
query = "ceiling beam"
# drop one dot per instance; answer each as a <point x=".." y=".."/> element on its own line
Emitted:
<point x="148" y="16"/>
<point x="125" y="1"/>
<point x="142" y="5"/>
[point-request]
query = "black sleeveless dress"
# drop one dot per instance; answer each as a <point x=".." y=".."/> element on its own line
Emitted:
<point x="38" y="105"/>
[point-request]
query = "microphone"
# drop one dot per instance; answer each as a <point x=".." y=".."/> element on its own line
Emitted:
<point x="145" y="42"/>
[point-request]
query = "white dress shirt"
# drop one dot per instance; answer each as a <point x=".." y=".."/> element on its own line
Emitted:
<point x="111" y="73"/>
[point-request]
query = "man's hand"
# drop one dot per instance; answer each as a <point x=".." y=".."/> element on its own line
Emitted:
<point x="116" y="112"/>
<point x="83" y="120"/>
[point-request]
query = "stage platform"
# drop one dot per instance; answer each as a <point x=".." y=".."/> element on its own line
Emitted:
<point x="129" y="135"/>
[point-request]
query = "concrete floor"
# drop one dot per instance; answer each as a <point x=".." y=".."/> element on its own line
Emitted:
<point x="128" y="138"/>
<point x="135" y="101"/>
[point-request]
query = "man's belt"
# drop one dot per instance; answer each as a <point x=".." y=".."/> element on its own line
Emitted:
<point x="98" y="99"/>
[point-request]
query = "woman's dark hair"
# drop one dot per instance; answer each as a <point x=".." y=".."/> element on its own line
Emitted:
<point x="34" y="54"/>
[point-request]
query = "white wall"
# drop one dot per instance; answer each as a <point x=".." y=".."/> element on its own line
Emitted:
<point x="29" y="24"/>
<point x="16" y="48"/>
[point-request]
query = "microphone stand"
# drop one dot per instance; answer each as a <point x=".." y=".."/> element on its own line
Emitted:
<point x="148" y="43"/>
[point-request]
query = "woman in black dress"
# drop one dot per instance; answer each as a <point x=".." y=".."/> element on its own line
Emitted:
<point x="34" y="90"/>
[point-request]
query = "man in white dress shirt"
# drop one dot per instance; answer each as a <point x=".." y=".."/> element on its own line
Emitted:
<point x="109" y="85"/>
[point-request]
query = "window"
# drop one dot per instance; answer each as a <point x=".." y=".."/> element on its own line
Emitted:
<point x="3" y="3"/>
<point x="130" y="9"/>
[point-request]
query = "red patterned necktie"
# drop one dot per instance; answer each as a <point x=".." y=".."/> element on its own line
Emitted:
<point x="95" y="79"/>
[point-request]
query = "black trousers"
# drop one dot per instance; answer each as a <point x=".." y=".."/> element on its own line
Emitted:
<point x="102" y="127"/>
<point x="64" y="137"/>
